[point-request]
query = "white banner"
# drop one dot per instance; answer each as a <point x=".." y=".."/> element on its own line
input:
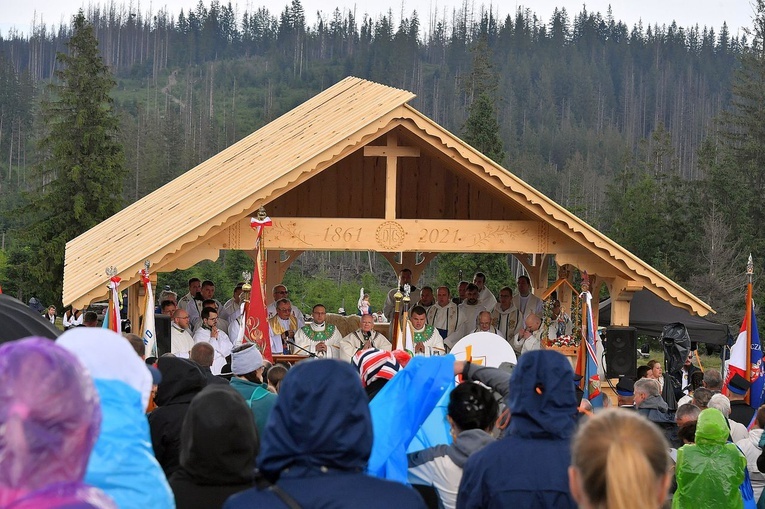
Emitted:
<point x="485" y="349"/>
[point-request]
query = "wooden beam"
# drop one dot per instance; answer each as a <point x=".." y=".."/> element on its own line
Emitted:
<point x="134" y="311"/>
<point x="409" y="261"/>
<point x="538" y="272"/>
<point x="587" y="261"/>
<point x="420" y="267"/>
<point x="391" y="151"/>
<point x="419" y="235"/>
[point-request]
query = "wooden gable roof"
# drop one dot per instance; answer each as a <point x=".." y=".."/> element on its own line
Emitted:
<point x="320" y="141"/>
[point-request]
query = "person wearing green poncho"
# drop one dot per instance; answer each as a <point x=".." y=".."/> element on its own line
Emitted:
<point x="710" y="471"/>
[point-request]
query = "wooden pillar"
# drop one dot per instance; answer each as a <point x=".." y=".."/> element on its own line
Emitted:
<point x="420" y="267"/>
<point x="135" y="301"/>
<point x="274" y="271"/>
<point x="409" y="261"/>
<point x="542" y="277"/>
<point x="135" y="294"/>
<point x="276" y="268"/>
<point x="537" y="266"/>
<point x="620" y="309"/>
<point x="621" y="292"/>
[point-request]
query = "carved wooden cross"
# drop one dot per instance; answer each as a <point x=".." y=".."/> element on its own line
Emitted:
<point x="392" y="151"/>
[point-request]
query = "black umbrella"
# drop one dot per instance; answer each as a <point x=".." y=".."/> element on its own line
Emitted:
<point x="18" y="321"/>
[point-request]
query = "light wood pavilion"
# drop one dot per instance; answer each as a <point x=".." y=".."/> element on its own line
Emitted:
<point x="355" y="168"/>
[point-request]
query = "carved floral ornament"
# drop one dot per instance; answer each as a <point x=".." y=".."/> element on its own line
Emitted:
<point x="405" y="235"/>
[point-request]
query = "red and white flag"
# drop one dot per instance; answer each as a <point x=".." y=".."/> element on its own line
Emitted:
<point x="148" y="331"/>
<point x="112" y="319"/>
<point x="256" y="319"/>
<point x="255" y="316"/>
<point x="737" y="364"/>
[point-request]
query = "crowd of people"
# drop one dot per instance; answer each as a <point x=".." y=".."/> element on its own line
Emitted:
<point x="436" y="318"/>
<point x="89" y="422"/>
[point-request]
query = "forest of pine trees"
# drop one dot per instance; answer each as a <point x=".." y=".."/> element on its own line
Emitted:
<point x="619" y="124"/>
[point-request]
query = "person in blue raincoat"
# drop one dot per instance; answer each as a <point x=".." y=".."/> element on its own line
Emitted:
<point x="122" y="462"/>
<point x="317" y="443"/>
<point x="529" y="467"/>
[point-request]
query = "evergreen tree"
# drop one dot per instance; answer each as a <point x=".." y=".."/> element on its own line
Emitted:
<point x="494" y="265"/>
<point x="83" y="161"/>
<point x="481" y="128"/>
<point x="737" y="181"/>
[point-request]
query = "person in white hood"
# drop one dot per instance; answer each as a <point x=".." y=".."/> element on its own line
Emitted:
<point x="122" y="462"/>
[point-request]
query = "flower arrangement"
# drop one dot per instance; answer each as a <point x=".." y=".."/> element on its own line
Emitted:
<point x="576" y="319"/>
<point x="563" y="342"/>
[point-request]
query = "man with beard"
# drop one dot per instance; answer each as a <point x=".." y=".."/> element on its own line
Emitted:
<point x="526" y="302"/>
<point x="207" y="292"/>
<point x="485" y="297"/>
<point x="505" y="315"/>
<point x="181" y="341"/>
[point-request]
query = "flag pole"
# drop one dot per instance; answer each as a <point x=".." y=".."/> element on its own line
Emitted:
<point x="581" y="358"/>
<point x="749" y="276"/>
<point x="261" y="250"/>
<point x="113" y="309"/>
<point x="148" y="327"/>
<point x="395" y="325"/>
<point x="255" y="319"/>
<point x="404" y="318"/>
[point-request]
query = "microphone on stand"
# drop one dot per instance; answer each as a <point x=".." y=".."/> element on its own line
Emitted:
<point x="310" y="353"/>
<point x="366" y="335"/>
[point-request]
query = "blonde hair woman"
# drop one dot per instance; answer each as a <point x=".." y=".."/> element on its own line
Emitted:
<point x="619" y="460"/>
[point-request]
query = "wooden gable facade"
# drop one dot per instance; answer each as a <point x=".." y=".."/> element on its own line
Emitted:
<point x="356" y="168"/>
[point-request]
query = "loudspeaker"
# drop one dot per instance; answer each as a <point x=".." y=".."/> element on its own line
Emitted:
<point x="162" y="328"/>
<point x="621" y="352"/>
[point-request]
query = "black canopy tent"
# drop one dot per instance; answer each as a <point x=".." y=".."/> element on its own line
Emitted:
<point x="18" y="321"/>
<point x="649" y="314"/>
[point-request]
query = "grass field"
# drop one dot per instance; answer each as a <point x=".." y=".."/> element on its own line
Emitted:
<point x="703" y="361"/>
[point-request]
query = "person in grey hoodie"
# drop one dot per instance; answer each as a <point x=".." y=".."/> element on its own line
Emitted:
<point x="472" y="412"/>
<point x="650" y="405"/>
